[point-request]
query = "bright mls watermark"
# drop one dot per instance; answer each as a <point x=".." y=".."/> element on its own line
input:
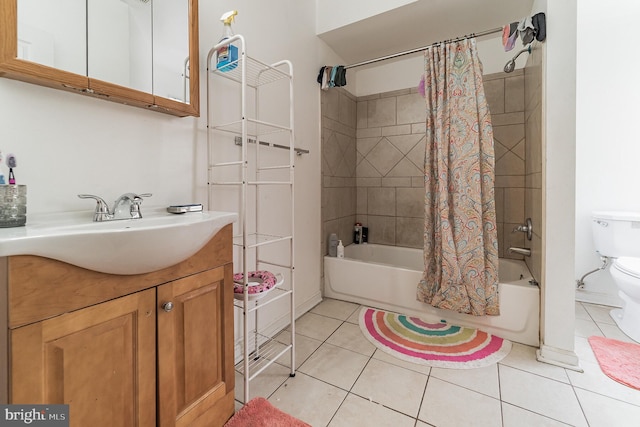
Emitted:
<point x="34" y="415"/>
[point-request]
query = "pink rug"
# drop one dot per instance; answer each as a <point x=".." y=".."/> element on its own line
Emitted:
<point x="258" y="412"/>
<point x="619" y="360"/>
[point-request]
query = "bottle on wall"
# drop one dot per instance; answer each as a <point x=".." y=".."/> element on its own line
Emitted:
<point x="357" y="233"/>
<point x="340" y="249"/>
<point x="333" y="245"/>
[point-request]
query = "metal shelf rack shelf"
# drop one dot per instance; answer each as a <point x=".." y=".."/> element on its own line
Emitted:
<point x="245" y="171"/>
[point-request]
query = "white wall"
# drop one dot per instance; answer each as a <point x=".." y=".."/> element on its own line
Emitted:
<point x="334" y="14"/>
<point x="68" y="144"/>
<point x="608" y="145"/>
<point x="405" y="72"/>
<point x="558" y="182"/>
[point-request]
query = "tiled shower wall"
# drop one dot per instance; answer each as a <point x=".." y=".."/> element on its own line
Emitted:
<point x="372" y="163"/>
<point x="505" y="95"/>
<point x="338" y="165"/>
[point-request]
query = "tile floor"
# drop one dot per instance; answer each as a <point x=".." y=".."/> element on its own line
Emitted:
<point x="342" y="380"/>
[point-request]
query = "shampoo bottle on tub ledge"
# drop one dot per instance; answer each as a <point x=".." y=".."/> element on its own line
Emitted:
<point x="340" y="249"/>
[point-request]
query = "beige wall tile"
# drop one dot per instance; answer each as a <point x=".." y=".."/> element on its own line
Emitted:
<point x="509" y="135"/>
<point x="362" y="113"/>
<point x="419" y="127"/>
<point x="384" y="156"/>
<point x="361" y="201"/>
<point x="369" y="132"/>
<point x="331" y="104"/>
<point x="411" y="109"/>
<point x="405" y="168"/>
<point x="410" y="232"/>
<point x="507" y="119"/>
<point x="514" y="94"/>
<point x="348" y="110"/>
<point x="366" y="170"/>
<point x="510" y="164"/>
<point x="417" y="181"/>
<point x="499" y="196"/>
<point x="365" y="145"/>
<point x="381" y="112"/>
<point x="405" y="143"/>
<point x="410" y="202"/>
<point x="396" y="182"/>
<point x="514" y="205"/>
<point x="416" y="155"/>
<point x="396" y="130"/>
<point x="509" y="181"/>
<point x="494" y="92"/>
<point x="382" y="229"/>
<point x="381" y="201"/>
<point x="368" y="182"/>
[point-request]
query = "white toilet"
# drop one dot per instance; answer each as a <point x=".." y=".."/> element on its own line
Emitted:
<point x="617" y="235"/>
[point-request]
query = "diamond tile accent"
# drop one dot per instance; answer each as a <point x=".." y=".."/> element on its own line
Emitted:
<point x="384" y="156"/>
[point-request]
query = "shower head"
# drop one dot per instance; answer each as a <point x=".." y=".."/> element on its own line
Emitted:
<point x="511" y="65"/>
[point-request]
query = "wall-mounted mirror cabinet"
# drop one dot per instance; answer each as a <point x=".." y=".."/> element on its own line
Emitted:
<point x="137" y="52"/>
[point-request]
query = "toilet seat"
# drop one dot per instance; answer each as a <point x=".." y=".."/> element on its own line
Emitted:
<point x="629" y="266"/>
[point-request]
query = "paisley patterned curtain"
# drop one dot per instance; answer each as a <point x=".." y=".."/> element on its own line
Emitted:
<point x="460" y="236"/>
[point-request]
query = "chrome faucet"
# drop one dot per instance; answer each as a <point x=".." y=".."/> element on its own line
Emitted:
<point x="521" y="251"/>
<point x="102" y="212"/>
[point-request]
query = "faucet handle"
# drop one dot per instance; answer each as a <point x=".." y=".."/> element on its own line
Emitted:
<point x="102" y="209"/>
<point x="135" y="205"/>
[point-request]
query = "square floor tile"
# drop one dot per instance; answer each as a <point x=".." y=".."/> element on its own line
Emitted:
<point x="612" y="331"/>
<point x="512" y="416"/>
<point x="599" y="313"/>
<point x="524" y="357"/>
<point x="358" y="412"/>
<point x="583" y="350"/>
<point x="448" y="405"/>
<point x="581" y="312"/>
<point x="264" y="384"/>
<point x="602" y="411"/>
<point x="313" y="401"/>
<point x="587" y="328"/>
<point x="317" y="327"/>
<point x="337" y="309"/>
<point x="541" y="395"/>
<point x="394" y="387"/>
<point x="335" y="365"/>
<point x="482" y="380"/>
<point x="350" y="336"/>
<point x="355" y="317"/>
<point x="385" y="357"/>
<point x="305" y="347"/>
<point x="593" y="379"/>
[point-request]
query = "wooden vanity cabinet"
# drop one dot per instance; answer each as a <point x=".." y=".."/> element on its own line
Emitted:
<point x="146" y="350"/>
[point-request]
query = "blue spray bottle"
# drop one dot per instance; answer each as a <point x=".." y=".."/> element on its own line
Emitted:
<point x="228" y="54"/>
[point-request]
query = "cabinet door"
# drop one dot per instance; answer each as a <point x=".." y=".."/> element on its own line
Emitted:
<point x="99" y="360"/>
<point x="195" y="349"/>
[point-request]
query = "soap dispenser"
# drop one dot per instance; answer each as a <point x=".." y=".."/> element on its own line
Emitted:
<point x="340" y="249"/>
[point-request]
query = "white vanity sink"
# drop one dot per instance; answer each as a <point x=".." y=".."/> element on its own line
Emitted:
<point x="129" y="246"/>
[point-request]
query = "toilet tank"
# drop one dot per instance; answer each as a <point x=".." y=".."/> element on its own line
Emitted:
<point x="616" y="233"/>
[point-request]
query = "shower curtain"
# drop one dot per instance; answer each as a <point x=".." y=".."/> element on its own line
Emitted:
<point x="460" y="236"/>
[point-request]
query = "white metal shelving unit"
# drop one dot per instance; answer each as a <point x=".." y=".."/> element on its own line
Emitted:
<point x="246" y="167"/>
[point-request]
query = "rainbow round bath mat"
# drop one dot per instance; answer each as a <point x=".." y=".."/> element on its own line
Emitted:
<point x="435" y="344"/>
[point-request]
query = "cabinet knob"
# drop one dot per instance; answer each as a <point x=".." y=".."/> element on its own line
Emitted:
<point x="167" y="306"/>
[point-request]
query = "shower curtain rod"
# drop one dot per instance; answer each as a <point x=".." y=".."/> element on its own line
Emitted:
<point x="420" y="49"/>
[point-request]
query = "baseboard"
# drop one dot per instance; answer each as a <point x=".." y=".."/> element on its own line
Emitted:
<point x="559" y="357"/>
<point x="600" y="298"/>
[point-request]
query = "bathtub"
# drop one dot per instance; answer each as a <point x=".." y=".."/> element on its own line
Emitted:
<point x="386" y="277"/>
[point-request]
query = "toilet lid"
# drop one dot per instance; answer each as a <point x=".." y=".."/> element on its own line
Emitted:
<point x="630" y="266"/>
